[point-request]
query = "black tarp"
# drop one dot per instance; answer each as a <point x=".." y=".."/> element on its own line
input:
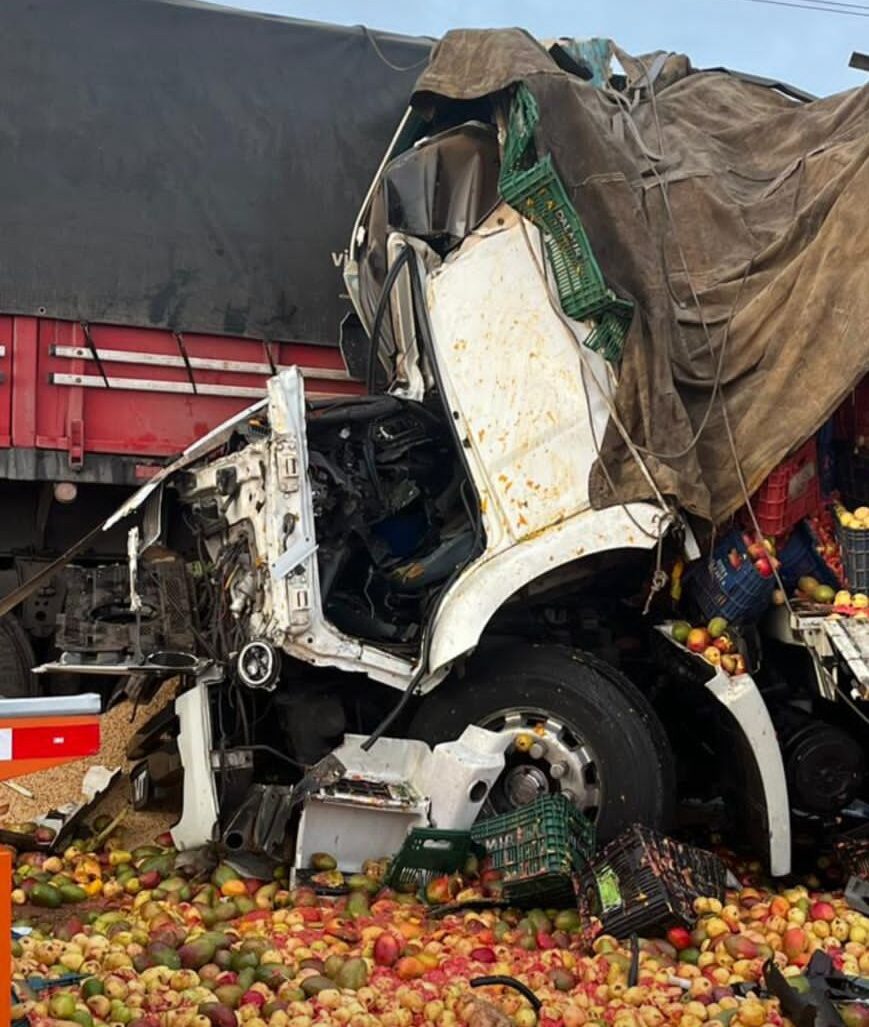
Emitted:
<point x="188" y="166"/>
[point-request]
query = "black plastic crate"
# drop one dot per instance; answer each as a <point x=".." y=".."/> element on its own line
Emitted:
<point x="855" y="556"/>
<point x="852" y="474"/>
<point x="643" y="881"/>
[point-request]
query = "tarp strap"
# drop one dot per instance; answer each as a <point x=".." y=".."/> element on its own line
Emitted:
<point x="86" y="331"/>
<point x="182" y="349"/>
<point x="267" y="349"/>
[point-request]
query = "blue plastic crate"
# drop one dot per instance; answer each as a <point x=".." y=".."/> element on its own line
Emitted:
<point x="719" y="590"/>
<point x="800" y="559"/>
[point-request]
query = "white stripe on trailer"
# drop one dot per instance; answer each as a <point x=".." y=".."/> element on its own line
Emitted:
<point x="123" y="356"/>
<point x="93" y="381"/>
<point x="5" y="744"/>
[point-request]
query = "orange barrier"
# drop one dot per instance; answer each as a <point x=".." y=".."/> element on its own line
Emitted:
<point x="29" y="744"/>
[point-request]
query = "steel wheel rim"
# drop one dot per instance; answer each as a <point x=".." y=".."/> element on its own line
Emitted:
<point x="526" y="778"/>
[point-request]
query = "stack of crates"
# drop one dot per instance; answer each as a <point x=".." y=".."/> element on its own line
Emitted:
<point x="534" y="189"/>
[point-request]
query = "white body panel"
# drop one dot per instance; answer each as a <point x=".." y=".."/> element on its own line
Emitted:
<point x="199" y="810"/>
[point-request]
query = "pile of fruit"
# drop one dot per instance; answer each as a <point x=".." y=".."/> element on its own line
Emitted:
<point x="149" y="947"/>
<point x="844" y="603"/>
<point x="823" y="530"/>
<point x="760" y="551"/>
<point x="857" y="521"/>
<point x="713" y="642"/>
<point x="811" y="589"/>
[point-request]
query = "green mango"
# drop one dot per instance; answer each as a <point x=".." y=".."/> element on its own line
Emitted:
<point x="353" y="974"/>
<point x="246" y="977"/>
<point x="92" y="986"/>
<point x="273" y="975"/>
<point x="229" y="995"/>
<point x="222" y="874"/>
<point x="164" y="955"/>
<point x="316" y="983"/>
<point x="163" y="864"/>
<point x="225" y="911"/>
<point x="332" y="966"/>
<point x="46" y="896"/>
<point x="244" y="904"/>
<point x="240" y="960"/>
<point x="567" y="920"/>
<point x="73" y="893"/>
<point x="357" y="904"/>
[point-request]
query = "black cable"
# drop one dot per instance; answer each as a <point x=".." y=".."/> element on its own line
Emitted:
<point x="509" y="982"/>
<point x="369" y="35"/>
<point x="382" y="304"/>
<point x="277" y="754"/>
<point x="398" y="709"/>
<point x="810" y="7"/>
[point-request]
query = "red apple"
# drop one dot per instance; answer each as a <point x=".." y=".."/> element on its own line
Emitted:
<point x="387" y="950"/>
<point x="698" y="640"/>
<point x="794" y="942"/>
<point x="679" y="938"/>
<point x="822" y="911"/>
<point x="764" y="568"/>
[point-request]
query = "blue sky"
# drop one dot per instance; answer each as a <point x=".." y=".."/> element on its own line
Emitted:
<point x="810" y="49"/>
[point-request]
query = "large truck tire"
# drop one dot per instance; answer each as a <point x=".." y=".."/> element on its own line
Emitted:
<point x="16" y="660"/>
<point x="575" y="725"/>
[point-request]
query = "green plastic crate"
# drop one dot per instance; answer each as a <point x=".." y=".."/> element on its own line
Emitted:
<point x="539" y="849"/>
<point x="427" y="853"/>
<point x="539" y="196"/>
<point x="536" y="191"/>
<point x="608" y="335"/>
<point x="524" y="116"/>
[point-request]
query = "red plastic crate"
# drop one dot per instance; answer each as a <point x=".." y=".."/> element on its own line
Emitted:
<point x="790" y="493"/>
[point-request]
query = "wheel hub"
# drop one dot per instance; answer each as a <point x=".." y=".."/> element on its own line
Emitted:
<point x="544" y="756"/>
<point x="524" y="784"/>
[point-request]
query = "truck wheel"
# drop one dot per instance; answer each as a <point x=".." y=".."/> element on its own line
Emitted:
<point x="582" y="729"/>
<point x="16" y="660"/>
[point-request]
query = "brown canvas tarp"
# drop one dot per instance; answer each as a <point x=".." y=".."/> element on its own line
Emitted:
<point x="709" y="200"/>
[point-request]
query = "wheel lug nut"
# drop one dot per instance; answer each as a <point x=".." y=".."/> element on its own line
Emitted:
<point x="537" y="751"/>
<point x="558" y="770"/>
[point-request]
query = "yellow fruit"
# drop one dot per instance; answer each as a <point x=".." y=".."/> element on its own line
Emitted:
<point x="842" y="598"/>
<point x="860" y="600"/>
<point x="862" y="513"/>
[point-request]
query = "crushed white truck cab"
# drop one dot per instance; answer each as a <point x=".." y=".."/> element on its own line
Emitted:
<point x="427" y="557"/>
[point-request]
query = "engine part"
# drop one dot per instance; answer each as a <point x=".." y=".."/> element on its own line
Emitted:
<point x="98" y="620"/>
<point x="259" y="665"/>
<point x="259" y="825"/>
